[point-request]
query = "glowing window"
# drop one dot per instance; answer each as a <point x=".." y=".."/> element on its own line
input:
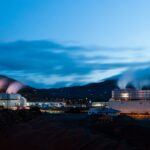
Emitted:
<point x="124" y="95"/>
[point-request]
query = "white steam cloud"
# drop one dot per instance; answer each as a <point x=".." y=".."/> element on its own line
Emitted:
<point x="139" y="84"/>
<point x="137" y="78"/>
<point x="125" y="79"/>
<point x="14" y="87"/>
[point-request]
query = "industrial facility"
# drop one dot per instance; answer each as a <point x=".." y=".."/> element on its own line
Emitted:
<point x="130" y="101"/>
<point x="12" y="101"/>
<point x="131" y="94"/>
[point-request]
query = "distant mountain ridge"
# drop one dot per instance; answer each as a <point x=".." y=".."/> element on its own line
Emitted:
<point x="94" y="91"/>
<point x="100" y="91"/>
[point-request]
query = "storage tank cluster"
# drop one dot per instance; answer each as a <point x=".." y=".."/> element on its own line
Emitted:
<point x="12" y="101"/>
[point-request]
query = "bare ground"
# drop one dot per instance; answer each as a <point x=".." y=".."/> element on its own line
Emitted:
<point x="72" y="132"/>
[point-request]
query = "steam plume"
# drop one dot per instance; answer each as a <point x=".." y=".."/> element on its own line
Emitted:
<point x="138" y="78"/>
<point x="125" y="79"/>
<point x="139" y="84"/>
<point x="14" y="87"/>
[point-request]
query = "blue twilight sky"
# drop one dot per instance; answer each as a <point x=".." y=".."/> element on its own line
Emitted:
<point x="55" y="43"/>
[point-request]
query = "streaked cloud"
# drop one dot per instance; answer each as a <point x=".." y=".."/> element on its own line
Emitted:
<point x="51" y="64"/>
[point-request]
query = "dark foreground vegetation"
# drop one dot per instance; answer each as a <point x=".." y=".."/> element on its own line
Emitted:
<point x="31" y="130"/>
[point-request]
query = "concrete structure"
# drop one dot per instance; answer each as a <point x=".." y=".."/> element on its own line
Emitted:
<point x="141" y="106"/>
<point x="12" y="101"/>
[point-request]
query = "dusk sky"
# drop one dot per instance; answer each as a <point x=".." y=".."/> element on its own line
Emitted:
<point x="56" y="43"/>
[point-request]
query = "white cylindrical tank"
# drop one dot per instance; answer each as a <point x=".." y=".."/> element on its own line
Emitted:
<point x="23" y="102"/>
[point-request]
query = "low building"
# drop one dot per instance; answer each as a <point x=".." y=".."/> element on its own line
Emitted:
<point x="51" y="104"/>
<point x="99" y="104"/>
